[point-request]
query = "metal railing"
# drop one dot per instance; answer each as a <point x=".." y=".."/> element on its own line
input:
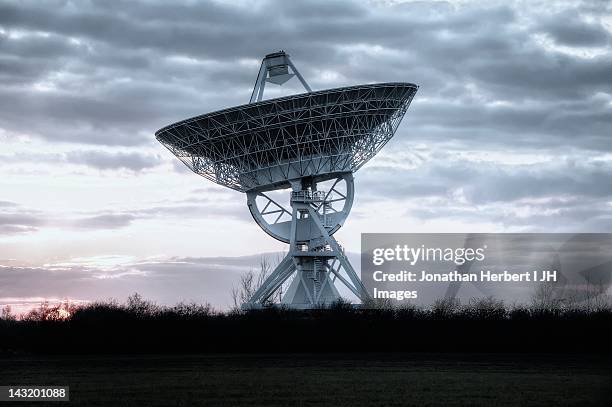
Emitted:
<point x="307" y="196"/>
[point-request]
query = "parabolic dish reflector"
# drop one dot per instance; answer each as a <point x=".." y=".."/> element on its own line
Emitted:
<point x="263" y="145"/>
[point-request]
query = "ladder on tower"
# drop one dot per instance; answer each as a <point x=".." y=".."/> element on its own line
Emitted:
<point x="326" y="220"/>
<point x="318" y="273"/>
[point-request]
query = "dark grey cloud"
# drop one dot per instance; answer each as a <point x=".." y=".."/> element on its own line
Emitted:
<point x="107" y="221"/>
<point x="97" y="159"/>
<point x="559" y="194"/>
<point x="592" y="216"/>
<point x="568" y="28"/>
<point x="14" y="223"/>
<point x="105" y="160"/>
<point x="202" y="204"/>
<point x="485" y="182"/>
<point x="236" y="210"/>
<point x="15" y="219"/>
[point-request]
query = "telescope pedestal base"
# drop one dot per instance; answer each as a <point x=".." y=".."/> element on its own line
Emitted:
<point x="311" y="287"/>
<point x="316" y="265"/>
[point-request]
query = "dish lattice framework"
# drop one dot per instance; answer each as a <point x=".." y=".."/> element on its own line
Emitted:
<point x="262" y="145"/>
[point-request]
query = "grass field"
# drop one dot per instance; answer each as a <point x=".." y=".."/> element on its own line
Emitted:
<point x="309" y="380"/>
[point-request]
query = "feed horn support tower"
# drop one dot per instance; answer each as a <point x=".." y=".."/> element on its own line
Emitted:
<point x="311" y="143"/>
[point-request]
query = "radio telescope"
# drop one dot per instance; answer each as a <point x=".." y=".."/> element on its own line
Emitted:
<point x="310" y="143"/>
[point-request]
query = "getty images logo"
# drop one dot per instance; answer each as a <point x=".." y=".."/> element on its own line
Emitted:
<point x="414" y="255"/>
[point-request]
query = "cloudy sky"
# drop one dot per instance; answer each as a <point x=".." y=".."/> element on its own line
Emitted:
<point x="510" y="130"/>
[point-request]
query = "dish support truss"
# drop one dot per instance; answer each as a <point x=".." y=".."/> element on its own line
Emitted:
<point x="315" y="259"/>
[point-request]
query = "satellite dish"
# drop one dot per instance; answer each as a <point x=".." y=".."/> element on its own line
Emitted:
<point x="302" y="142"/>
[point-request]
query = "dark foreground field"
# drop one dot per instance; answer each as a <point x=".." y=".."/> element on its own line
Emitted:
<point x="479" y="354"/>
<point x="422" y="379"/>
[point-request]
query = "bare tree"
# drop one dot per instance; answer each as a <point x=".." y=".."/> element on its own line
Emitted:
<point x="141" y="307"/>
<point x="485" y="307"/>
<point x="544" y="298"/>
<point x="251" y="281"/>
<point x="377" y="303"/>
<point x="596" y="297"/>
<point x="446" y="307"/>
<point x="47" y="312"/>
<point x="7" y="313"/>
